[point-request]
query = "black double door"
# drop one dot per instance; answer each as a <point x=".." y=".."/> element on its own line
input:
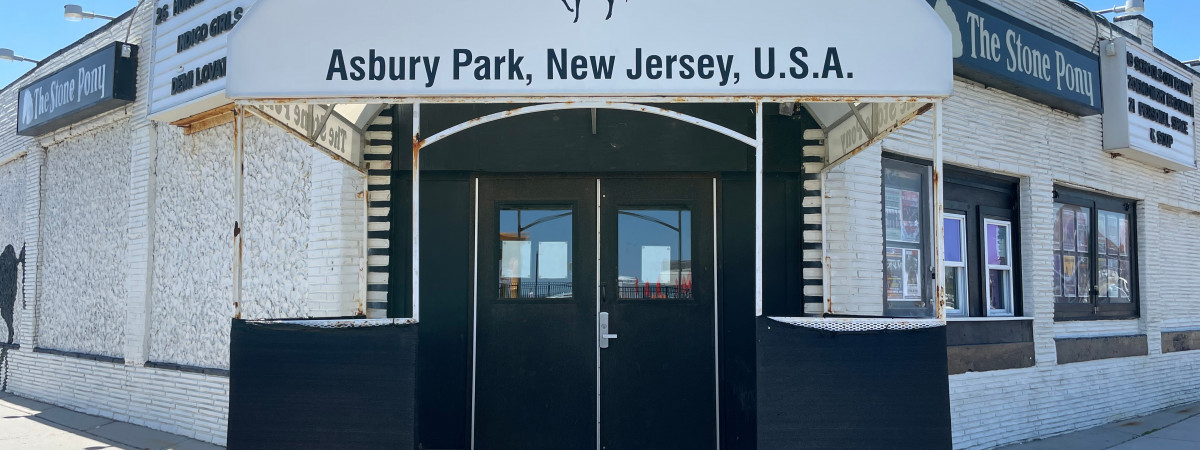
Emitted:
<point x="595" y="323"/>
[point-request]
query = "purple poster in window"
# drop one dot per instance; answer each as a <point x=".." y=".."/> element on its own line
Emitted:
<point x="997" y="245"/>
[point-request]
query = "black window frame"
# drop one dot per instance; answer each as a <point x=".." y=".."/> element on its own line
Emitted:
<point x="978" y="197"/>
<point x="1093" y="309"/>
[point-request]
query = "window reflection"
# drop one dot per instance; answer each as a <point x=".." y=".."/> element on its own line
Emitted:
<point x="535" y="253"/>
<point x="654" y="253"/>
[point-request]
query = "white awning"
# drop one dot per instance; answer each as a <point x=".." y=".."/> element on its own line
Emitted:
<point x="362" y="50"/>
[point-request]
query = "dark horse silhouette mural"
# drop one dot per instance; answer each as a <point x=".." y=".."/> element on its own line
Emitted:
<point x="576" y="9"/>
<point x="9" y="265"/>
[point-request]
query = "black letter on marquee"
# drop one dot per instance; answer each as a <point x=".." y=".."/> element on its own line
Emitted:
<point x="832" y="63"/>
<point x="336" y="64"/>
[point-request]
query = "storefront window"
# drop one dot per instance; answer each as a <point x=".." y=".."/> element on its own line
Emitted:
<point x="981" y="242"/>
<point x="535" y="253"/>
<point x="906" y="243"/>
<point x="654" y="254"/>
<point x="1090" y="228"/>
<point x="956" y="264"/>
<point x="998" y="251"/>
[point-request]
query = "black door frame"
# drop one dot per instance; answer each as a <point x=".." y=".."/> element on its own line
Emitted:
<point x="713" y="197"/>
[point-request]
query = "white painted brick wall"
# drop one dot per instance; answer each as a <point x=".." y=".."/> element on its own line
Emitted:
<point x="991" y="130"/>
<point x="854" y="234"/>
<point x="335" y="239"/>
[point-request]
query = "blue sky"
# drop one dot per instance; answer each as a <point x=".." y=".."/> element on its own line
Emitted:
<point x="36" y="28"/>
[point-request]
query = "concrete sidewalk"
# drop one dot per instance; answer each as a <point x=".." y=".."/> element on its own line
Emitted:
<point x="1169" y="429"/>
<point x="30" y="424"/>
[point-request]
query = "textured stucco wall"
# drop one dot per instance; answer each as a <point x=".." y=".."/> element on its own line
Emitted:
<point x="85" y="204"/>
<point x="193" y="247"/>
<point x="277" y="209"/>
<point x="12" y="231"/>
<point x="193" y="262"/>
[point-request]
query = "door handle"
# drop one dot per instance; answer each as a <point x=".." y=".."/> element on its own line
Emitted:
<point x="604" y="334"/>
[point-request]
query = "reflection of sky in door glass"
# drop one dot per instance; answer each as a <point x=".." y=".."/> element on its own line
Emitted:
<point x="654" y="253"/>
<point x="535" y="253"/>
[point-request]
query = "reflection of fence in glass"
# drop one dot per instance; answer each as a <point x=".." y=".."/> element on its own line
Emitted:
<point x="655" y="291"/>
<point x="514" y="288"/>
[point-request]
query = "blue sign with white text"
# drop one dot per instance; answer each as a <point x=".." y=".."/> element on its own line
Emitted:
<point x="1001" y="51"/>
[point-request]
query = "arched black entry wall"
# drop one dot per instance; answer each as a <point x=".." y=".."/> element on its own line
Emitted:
<point x="563" y="143"/>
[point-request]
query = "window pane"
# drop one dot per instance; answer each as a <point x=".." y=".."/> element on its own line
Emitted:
<point x="954" y="238"/>
<point x="654" y="254"/>
<point x="1072" y="263"/>
<point x="1082" y="229"/>
<point x="535" y="253"/>
<point x="997" y="244"/>
<point x="999" y="292"/>
<point x="956" y="291"/>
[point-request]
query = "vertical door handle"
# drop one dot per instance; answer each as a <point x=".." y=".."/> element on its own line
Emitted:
<point x="604" y="331"/>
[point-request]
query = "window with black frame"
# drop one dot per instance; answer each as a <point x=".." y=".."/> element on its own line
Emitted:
<point x="1095" y="256"/>
<point x="907" y="256"/>
<point x="982" y="242"/>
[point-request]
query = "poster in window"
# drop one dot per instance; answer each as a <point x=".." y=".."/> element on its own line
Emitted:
<point x="1058" y="226"/>
<point x="912" y="274"/>
<point x="1114" y="285"/>
<point x="1058" y="286"/>
<point x="1084" y="274"/>
<point x="891" y="213"/>
<point x="894" y="278"/>
<point x="1082" y="229"/>
<point x="997" y="245"/>
<point x="516" y="259"/>
<point x="1103" y="278"/>
<point x="1114" y="236"/>
<point x="1123" y="238"/>
<point x="1101" y="236"/>
<point x="910" y="225"/>
<point x="1070" y="288"/>
<point x="1068" y="230"/>
<point x="552" y="262"/>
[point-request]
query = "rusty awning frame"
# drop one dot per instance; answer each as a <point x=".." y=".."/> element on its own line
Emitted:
<point x="638" y="104"/>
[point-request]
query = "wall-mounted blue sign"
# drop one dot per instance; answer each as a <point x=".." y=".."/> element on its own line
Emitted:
<point x="1001" y="51"/>
<point x="97" y="83"/>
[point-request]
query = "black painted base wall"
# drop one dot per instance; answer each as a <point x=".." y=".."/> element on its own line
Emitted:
<point x="293" y="386"/>
<point x="820" y="389"/>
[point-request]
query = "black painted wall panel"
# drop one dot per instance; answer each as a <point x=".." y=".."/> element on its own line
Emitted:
<point x="293" y="386"/>
<point x="444" y="371"/>
<point x="819" y="389"/>
<point x="736" y="322"/>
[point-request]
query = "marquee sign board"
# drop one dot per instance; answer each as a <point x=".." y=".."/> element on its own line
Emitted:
<point x="99" y="82"/>
<point x="325" y="127"/>
<point x="1149" y="114"/>
<point x="999" y="50"/>
<point x="189" y="64"/>
<point x="540" y="48"/>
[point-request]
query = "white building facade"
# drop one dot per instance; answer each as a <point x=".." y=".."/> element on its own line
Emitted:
<point x="124" y="297"/>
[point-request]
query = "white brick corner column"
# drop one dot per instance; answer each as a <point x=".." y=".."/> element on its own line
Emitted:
<point x="1037" y="219"/>
<point x="35" y="158"/>
<point x="813" y="251"/>
<point x="1151" y="273"/>
<point x="378" y="158"/>
<point x="143" y="161"/>
<point x="139" y="270"/>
